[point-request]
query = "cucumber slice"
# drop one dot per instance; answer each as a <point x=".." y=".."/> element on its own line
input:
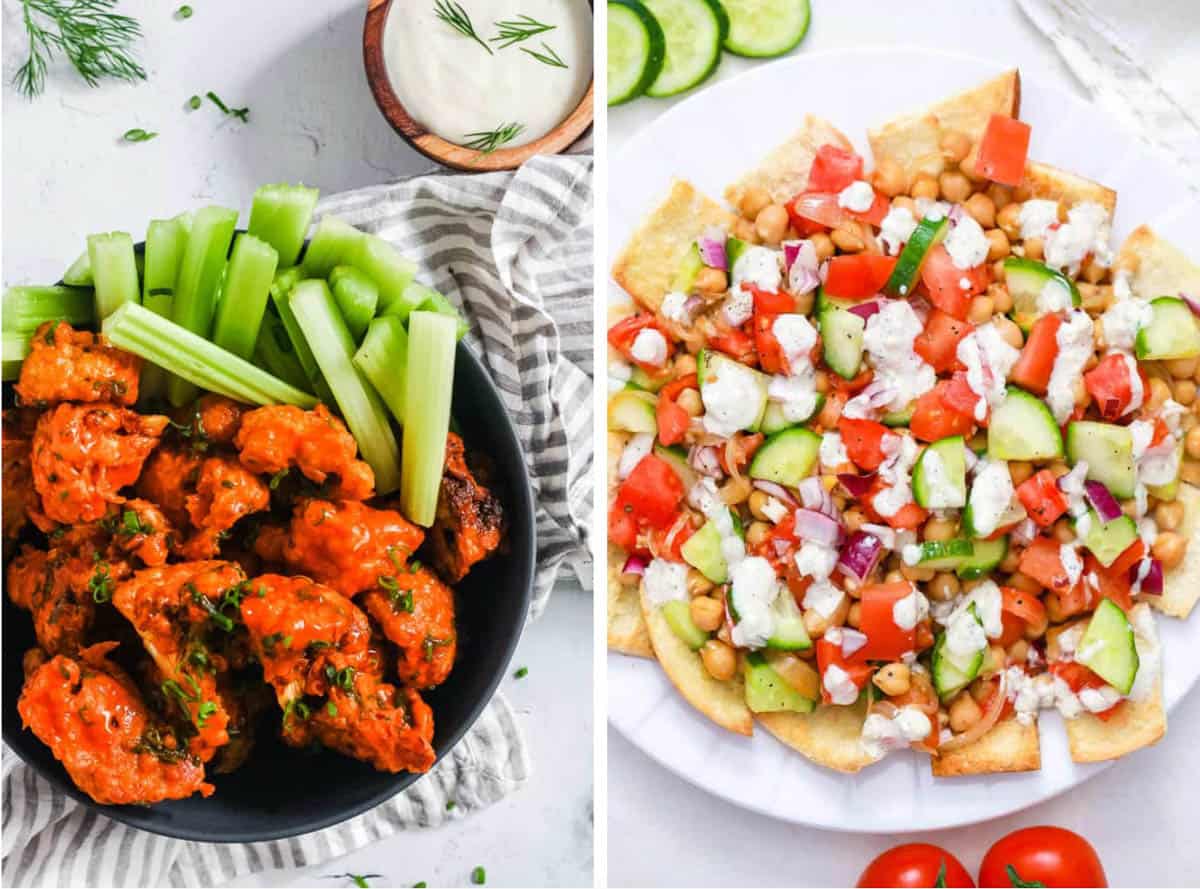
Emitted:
<point x="689" y="268"/>
<point x="1108" y="452"/>
<point x="1172" y="332"/>
<point x="703" y="552"/>
<point x="789" y="633"/>
<point x="983" y="561"/>
<point x="898" y="418"/>
<point x="774" y="420"/>
<point x="628" y="411"/>
<point x="693" y="31"/>
<point x="636" y="50"/>
<point x="768" y="692"/>
<point x="927" y="235"/>
<point x="639" y="379"/>
<point x="1026" y="279"/>
<point x="728" y="387"/>
<point x="841" y="335"/>
<point x="787" y="457"/>
<point x="950" y="675"/>
<point x="1170" y="490"/>
<point x="1108" y="648"/>
<point x="1022" y="428"/>
<point x="945" y="555"/>
<point x="679" y="618"/>
<point x="765" y="28"/>
<point x="939" y="480"/>
<point x="677" y="458"/>
<point x="1107" y="540"/>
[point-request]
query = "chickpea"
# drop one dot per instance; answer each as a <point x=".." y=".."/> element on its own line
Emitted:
<point x="1001" y="298"/>
<point x="893" y="576"/>
<point x="1168" y="515"/>
<point x="1022" y="192"/>
<point x="964" y="713"/>
<point x="830" y="413"/>
<point x="1008" y="218"/>
<point x="743" y="230"/>
<point x="1024" y="582"/>
<point x="967" y="164"/>
<point x="1018" y="652"/>
<point x="889" y="178"/>
<point x="1054" y="611"/>
<point x="815" y="623"/>
<point x="906" y="202"/>
<point x="758" y="500"/>
<point x="771" y="223"/>
<point x="719" y="660"/>
<point x="1191" y="443"/>
<point x="1020" y="470"/>
<point x="1182" y="368"/>
<point x="853" y="519"/>
<point x="822" y="245"/>
<point x="1009" y="331"/>
<point x="698" y="584"/>
<point x="998" y="271"/>
<point x="1010" y="561"/>
<point x="982" y="210"/>
<point x="998" y="246"/>
<point x="944" y="586"/>
<point x="915" y="573"/>
<point x="1093" y="272"/>
<point x="707" y="613"/>
<point x="753" y="199"/>
<point x="711" y="281"/>
<point x="940" y="529"/>
<point x="1058" y="468"/>
<point x="1159" y="393"/>
<point x="925" y="186"/>
<point x="1001" y="195"/>
<point x="848" y="238"/>
<point x="981" y="309"/>
<point x="1169" y="548"/>
<point x="1035" y="248"/>
<point x="854" y="615"/>
<point x="734" y="491"/>
<point x="1185" y="391"/>
<point x="689" y="400"/>
<point x="1063" y="532"/>
<point x="893" y="679"/>
<point x="954" y="187"/>
<point x="955" y="146"/>
<point x="757" y="533"/>
<point x="1190" y="471"/>
<point x="684" y="365"/>
<point x="628" y="578"/>
<point x="804" y="302"/>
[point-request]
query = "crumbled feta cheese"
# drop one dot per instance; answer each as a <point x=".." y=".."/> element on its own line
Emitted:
<point x="857" y="196"/>
<point x="775" y="510"/>
<point x="928" y="208"/>
<point x="1072" y="564"/>
<point x="796" y="337"/>
<point x="635" y="449"/>
<point x="1097" y="700"/>
<point x="1085" y="231"/>
<point x="988" y="358"/>
<point x="797" y="391"/>
<point x="991" y="494"/>
<point x="1054" y="296"/>
<point x="832" y="451"/>
<point x="988" y="602"/>
<point x="1075" y="347"/>
<point x="900" y="453"/>
<point x="619" y="374"/>
<point x="665" y="581"/>
<point x="704" y="497"/>
<point x="1036" y="217"/>
<point x="897" y="227"/>
<point x="942" y="492"/>
<point x="910" y="610"/>
<point x="823" y="598"/>
<point x="738" y="307"/>
<point x="888" y="340"/>
<point x="966" y="243"/>
<point x="754" y="589"/>
<point x="1122" y="320"/>
<point x="965" y="635"/>
<point x="1022" y="689"/>
<point x="732" y="399"/>
<point x="840" y="686"/>
<point x="964" y="283"/>
<point x="881" y="735"/>
<point x="816" y="560"/>
<point x="796" y="395"/>
<point x="649" y="347"/>
<point x="673" y="308"/>
<point x="760" y="266"/>
<point x="1065" y="700"/>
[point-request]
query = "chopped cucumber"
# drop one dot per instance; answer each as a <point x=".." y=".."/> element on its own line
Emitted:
<point x="15" y="351"/>
<point x="1022" y="428"/>
<point x="356" y="295"/>
<point x="788" y="632"/>
<point x="332" y="244"/>
<point x="1108" y="451"/>
<point x="390" y="271"/>
<point x="275" y="352"/>
<point x="765" y="28"/>
<point x="939" y="480"/>
<point x="768" y="692"/>
<point x="841" y="335"/>
<point x="1107" y="540"/>
<point x="26" y="308"/>
<point x="704" y="553"/>
<point x="787" y="457"/>
<point x="431" y="348"/>
<point x="928" y="234"/>
<point x="629" y="411"/>
<point x="693" y="31"/>
<point x="950" y="674"/>
<point x="723" y="379"/>
<point x="636" y="50"/>
<point x="1108" y="647"/>
<point x="1173" y="331"/>
<point x="114" y="271"/>
<point x="983" y="561"/>
<point x="898" y="418"/>
<point x="677" y="458"/>
<point x="383" y="358"/>
<point x="774" y="419"/>
<point x="1169" y="490"/>
<point x="690" y="266"/>
<point x="679" y="618"/>
<point x="1026" y="279"/>
<point x="280" y="216"/>
<point x="244" y="297"/>
<point x="945" y="555"/>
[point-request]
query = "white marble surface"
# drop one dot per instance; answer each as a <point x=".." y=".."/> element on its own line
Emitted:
<point x="663" y="831"/>
<point x="298" y="67"/>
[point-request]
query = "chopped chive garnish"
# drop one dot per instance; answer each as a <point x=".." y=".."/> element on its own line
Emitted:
<point x="521" y="673"/>
<point x="451" y="805"/>
<point x="195" y="102"/>
<point x="479" y="876"/>
<point x="242" y="114"/>
<point x="184" y="12"/>
<point x="138" y="135"/>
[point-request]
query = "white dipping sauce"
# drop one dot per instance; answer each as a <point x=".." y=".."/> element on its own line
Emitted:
<point x="450" y="85"/>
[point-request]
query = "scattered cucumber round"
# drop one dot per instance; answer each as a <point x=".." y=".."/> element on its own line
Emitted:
<point x="694" y="31"/>
<point x="765" y="28"/>
<point x="636" y="50"/>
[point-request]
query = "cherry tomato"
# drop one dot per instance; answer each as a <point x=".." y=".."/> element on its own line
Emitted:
<point x="913" y="865"/>
<point x="1042" y="856"/>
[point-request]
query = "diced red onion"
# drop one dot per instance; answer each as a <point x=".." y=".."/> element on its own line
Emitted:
<point x="817" y="527"/>
<point x="852" y="641"/>
<point x="800" y="263"/>
<point x="712" y="252"/>
<point x="814" y="496"/>
<point x="955" y="214"/>
<point x="802" y="279"/>
<point x="1025" y="532"/>
<point x="1193" y="303"/>
<point x="878" y="394"/>
<point x="860" y="555"/>
<point x="856" y="485"/>
<point x="779" y="492"/>
<point x="1150" y="574"/>
<point x="692" y="305"/>
<point x="705" y="461"/>
<point x="1105" y="503"/>
<point x="634" y="565"/>
<point x="791" y="249"/>
<point x="823" y="271"/>
<point x="865" y="310"/>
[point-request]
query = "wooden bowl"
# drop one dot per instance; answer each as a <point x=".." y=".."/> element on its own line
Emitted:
<point x="435" y="147"/>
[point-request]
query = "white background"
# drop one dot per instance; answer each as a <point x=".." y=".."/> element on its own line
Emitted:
<point x="663" y="831"/>
<point x="297" y="64"/>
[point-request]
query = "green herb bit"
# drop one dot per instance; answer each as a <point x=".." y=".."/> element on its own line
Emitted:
<point x="518" y="29"/>
<point x="331" y="707"/>
<point x="224" y="621"/>
<point x="94" y="39"/>
<point x="207" y="709"/>
<point x="479" y="876"/>
<point x="277" y="478"/>
<point x="415" y="566"/>
<point x="521" y="673"/>
<point x="451" y="805"/>
<point x="402" y="600"/>
<point x="242" y="114"/>
<point x="393" y="554"/>
<point x="456" y="17"/>
<point x="487" y="142"/>
<point x="420" y="885"/>
<point x="549" y="57"/>
<point x="101" y="585"/>
<point x="359" y="880"/>
<point x="138" y="135"/>
<point x="430" y="644"/>
<point x="195" y="102"/>
<point x="184" y="12"/>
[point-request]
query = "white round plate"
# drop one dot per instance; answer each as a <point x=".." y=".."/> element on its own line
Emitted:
<point x="710" y="140"/>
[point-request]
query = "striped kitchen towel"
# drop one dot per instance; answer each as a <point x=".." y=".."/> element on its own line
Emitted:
<point x="514" y="252"/>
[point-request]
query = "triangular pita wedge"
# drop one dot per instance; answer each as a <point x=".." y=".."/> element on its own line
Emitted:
<point x="722" y="702"/>
<point x="1009" y="747"/>
<point x="914" y="140"/>
<point x="1052" y="184"/>
<point x="1181" y="585"/>
<point x="829" y="736"/>
<point x="1159" y="267"/>
<point x="784" y="172"/>
<point x="650" y="260"/>
<point x="626" y="629"/>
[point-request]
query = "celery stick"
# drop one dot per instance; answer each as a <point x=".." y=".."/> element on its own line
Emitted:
<point x="390" y="271"/>
<point x="285" y="280"/>
<point x="114" y="271"/>
<point x="244" y="297"/>
<point x="331" y="245"/>
<point x="274" y="352"/>
<point x="165" y="244"/>
<point x="80" y="272"/>
<point x="436" y="302"/>
<point x="383" y="358"/>
<point x="280" y="216"/>
<point x="136" y="329"/>
<point x="356" y="295"/>
<point x="365" y="413"/>
<point x="428" y="391"/>
<point x="27" y="307"/>
<point x="15" y="348"/>
<point x="199" y="277"/>
<point x="185" y="220"/>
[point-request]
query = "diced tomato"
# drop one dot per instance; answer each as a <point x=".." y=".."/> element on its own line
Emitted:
<point x="830" y="654"/>
<point x="672" y="419"/>
<point x="1160" y="432"/>
<point x="885" y="640"/>
<point x="769" y="305"/>
<point x="851" y="386"/>
<point x="622" y="334"/>
<point x="1003" y="150"/>
<point x="1129" y="557"/>
<point x="815" y="211"/>
<point x="622" y="526"/>
<point x="938" y="342"/>
<point x="653" y="491"/>
<point x="770" y="302"/>
<point x="1042" y="561"/>
<point x="1111" y="582"/>
<point x="908" y="518"/>
<point x="1111" y="386"/>
<point x="858" y="275"/>
<point x="958" y="395"/>
<point x="833" y="169"/>
<point x="1019" y="609"/>
<point x="933" y="418"/>
<point x="944" y="280"/>
<point x="675" y="550"/>
<point x="736" y="344"/>
<point x="1042" y="499"/>
<point x="1032" y="370"/>
<point x="864" y="441"/>
<point x="1006" y="709"/>
<point x="1079" y="677"/>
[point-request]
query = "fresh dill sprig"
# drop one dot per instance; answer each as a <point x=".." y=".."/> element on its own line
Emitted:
<point x="242" y="114"/>
<point x="549" y="57"/>
<point x="138" y="135"/>
<point x="456" y="17"/>
<point x="518" y="29"/>
<point x="487" y="142"/>
<point x="94" y="39"/>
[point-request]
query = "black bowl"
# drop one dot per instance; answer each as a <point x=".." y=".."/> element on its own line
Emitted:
<point x="281" y="791"/>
